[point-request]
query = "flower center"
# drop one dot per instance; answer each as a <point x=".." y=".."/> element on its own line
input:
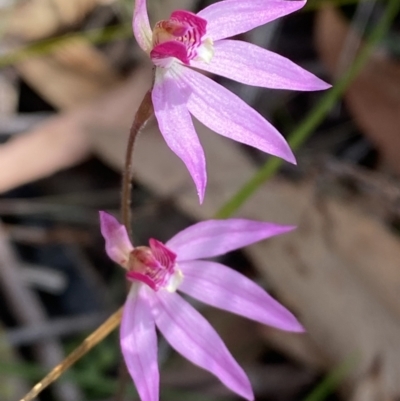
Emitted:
<point x="155" y="266"/>
<point x="181" y="37"/>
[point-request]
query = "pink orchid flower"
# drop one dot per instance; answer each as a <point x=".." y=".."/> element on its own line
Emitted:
<point x="199" y="41"/>
<point x="159" y="270"/>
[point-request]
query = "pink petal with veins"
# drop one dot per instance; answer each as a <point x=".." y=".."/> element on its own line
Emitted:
<point x="224" y="288"/>
<point x="217" y="237"/>
<point x="192" y="336"/>
<point x="252" y="65"/>
<point x="177" y="128"/>
<point x="232" y="17"/>
<point x="139" y="343"/>
<point x="228" y="115"/>
<point x="118" y="244"/>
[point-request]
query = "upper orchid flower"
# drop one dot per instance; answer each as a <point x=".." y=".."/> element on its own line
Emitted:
<point x="198" y="40"/>
<point x="157" y="271"/>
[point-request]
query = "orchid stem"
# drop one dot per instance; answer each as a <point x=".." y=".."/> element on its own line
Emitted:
<point x="143" y="115"/>
<point x="308" y="125"/>
<point x="93" y="339"/>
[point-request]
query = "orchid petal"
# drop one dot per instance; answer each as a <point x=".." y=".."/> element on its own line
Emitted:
<point x="192" y="336"/>
<point x="139" y="343"/>
<point x="228" y="115"/>
<point x="232" y="17"/>
<point x="253" y="65"/>
<point x="224" y="288"/>
<point x="217" y="237"/>
<point x="141" y="25"/>
<point x="177" y="128"/>
<point x="118" y="244"/>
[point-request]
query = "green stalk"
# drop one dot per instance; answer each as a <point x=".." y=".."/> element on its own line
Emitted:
<point x="316" y="116"/>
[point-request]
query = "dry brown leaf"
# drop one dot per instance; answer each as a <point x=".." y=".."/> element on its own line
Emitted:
<point x="38" y="19"/>
<point x="73" y="74"/>
<point x="346" y="306"/>
<point x="374" y="96"/>
<point x="55" y="145"/>
<point x="371" y="387"/>
<point x="65" y="140"/>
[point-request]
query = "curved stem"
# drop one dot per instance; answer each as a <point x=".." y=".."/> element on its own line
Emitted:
<point x="143" y="114"/>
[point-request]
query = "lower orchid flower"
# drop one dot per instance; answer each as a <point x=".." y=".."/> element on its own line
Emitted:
<point x="159" y="270"/>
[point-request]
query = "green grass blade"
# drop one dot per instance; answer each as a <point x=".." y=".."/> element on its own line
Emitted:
<point x="332" y="380"/>
<point x="316" y="116"/>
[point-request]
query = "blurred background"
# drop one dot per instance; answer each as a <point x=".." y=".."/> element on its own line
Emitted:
<point x="71" y="79"/>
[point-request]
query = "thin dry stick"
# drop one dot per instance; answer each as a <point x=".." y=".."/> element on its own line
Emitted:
<point x="98" y="335"/>
<point x="143" y="115"/>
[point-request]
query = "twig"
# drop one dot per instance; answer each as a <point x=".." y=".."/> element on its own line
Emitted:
<point x="98" y="335"/>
